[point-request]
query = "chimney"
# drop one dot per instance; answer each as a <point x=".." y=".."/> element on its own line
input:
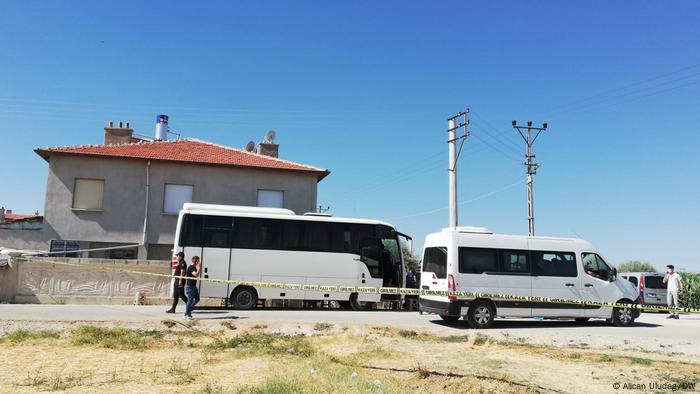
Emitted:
<point x="118" y="135"/>
<point x="268" y="149"/>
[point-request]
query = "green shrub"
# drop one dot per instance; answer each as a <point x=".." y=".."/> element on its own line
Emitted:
<point x="21" y="335"/>
<point x="113" y="338"/>
<point x="269" y="344"/>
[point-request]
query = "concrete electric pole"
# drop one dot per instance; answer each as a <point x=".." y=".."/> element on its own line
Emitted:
<point x="531" y="168"/>
<point x="454" y="153"/>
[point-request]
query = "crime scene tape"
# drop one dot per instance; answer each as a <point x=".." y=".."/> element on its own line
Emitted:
<point x="380" y="290"/>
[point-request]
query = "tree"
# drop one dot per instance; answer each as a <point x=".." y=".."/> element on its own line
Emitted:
<point x="636" y="266"/>
<point x="409" y="259"/>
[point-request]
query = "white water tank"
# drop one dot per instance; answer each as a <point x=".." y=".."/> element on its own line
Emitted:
<point x="162" y="127"/>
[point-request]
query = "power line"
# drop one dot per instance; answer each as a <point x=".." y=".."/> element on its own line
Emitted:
<point x="474" y="199"/>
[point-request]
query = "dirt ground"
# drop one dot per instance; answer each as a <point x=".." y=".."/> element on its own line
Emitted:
<point x="266" y="358"/>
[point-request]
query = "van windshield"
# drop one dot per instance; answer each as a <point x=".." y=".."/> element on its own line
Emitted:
<point x="435" y="261"/>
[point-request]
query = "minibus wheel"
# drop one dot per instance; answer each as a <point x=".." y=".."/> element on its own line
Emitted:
<point x="481" y="314"/>
<point x="244" y="297"/>
<point x="359" y="305"/>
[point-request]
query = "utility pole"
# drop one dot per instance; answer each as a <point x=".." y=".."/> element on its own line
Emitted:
<point x="452" y="127"/>
<point x="530" y="167"/>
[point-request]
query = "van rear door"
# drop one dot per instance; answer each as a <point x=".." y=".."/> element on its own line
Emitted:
<point x="434" y="271"/>
<point x="654" y="290"/>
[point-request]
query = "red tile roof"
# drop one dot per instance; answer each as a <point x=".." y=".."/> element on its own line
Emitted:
<point x="13" y="217"/>
<point x="184" y="150"/>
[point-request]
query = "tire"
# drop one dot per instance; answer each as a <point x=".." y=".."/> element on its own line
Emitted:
<point x="582" y="320"/>
<point x="358" y="305"/>
<point x="481" y="314"/>
<point x="623" y="317"/>
<point x="244" y="297"/>
<point x="450" y="318"/>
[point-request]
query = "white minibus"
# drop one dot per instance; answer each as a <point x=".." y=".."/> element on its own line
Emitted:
<point x="275" y="245"/>
<point x="473" y="259"/>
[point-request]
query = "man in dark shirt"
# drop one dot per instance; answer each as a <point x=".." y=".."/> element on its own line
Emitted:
<point x="191" y="290"/>
<point x="178" y="285"/>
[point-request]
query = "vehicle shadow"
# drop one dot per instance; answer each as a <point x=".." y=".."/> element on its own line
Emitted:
<point x="543" y="324"/>
<point x="198" y="317"/>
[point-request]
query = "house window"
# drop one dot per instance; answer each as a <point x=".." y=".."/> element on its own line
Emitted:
<point x="175" y="197"/>
<point x="271" y="198"/>
<point x="87" y="193"/>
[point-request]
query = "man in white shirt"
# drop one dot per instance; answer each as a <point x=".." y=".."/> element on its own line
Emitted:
<point x="674" y="287"/>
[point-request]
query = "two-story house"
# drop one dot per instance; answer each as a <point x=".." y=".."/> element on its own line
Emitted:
<point x="129" y="191"/>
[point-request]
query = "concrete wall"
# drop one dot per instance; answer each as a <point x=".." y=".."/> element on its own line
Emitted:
<point x="121" y="219"/>
<point x="36" y="281"/>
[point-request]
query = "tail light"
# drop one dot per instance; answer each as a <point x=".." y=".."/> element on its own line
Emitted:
<point x="641" y="289"/>
<point x="451" y="286"/>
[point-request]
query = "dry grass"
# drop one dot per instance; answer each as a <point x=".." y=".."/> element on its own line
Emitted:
<point x="91" y="358"/>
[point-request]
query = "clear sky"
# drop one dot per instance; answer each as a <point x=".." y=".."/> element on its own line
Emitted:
<point x="364" y="89"/>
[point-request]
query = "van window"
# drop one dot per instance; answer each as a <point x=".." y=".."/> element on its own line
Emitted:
<point x="633" y="279"/>
<point x="553" y="263"/>
<point x="515" y="261"/>
<point x="654" y="282"/>
<point x="435" y="261"/>
<point x="477" y="260"/>
<point x="595" y="266"/>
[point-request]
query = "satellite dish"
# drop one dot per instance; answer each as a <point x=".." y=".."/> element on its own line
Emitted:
<point x="270" y="136"/>
<point x="250" y="146"/>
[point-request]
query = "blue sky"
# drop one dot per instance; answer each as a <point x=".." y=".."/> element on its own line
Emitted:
<point x="365" y="88"/>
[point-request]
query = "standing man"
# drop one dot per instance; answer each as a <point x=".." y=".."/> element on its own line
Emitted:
<point x="674" y="287"/>
<point x="179" y="269"/>
<point x="191" y="287"/>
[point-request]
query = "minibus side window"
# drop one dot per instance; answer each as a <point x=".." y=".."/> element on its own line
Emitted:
<point x="477" y="260"/>
<point x="515" y="261"/>
<point x="553" y="263"/>
<point x="216" y="231"/>
<point x="191" y="231"/>
<point x="435" y="261"/>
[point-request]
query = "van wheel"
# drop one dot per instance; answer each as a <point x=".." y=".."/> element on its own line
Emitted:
<point x="450" y="318"/>
<point x="244" y="297"/>
<point x="481" y="314"/>
<point x="622" y="317"/>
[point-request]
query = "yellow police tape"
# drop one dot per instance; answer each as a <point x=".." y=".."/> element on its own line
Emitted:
<point x="382" y="290"/>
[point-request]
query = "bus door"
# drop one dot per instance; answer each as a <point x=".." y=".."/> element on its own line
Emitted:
<point x="217" y="234"/>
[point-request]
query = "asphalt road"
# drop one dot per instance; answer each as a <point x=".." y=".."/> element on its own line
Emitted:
<point x="651" y="332"/>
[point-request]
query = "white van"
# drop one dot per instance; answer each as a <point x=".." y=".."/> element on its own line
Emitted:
<point x="650" y="285"/>
<point x="473" y="259"/>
